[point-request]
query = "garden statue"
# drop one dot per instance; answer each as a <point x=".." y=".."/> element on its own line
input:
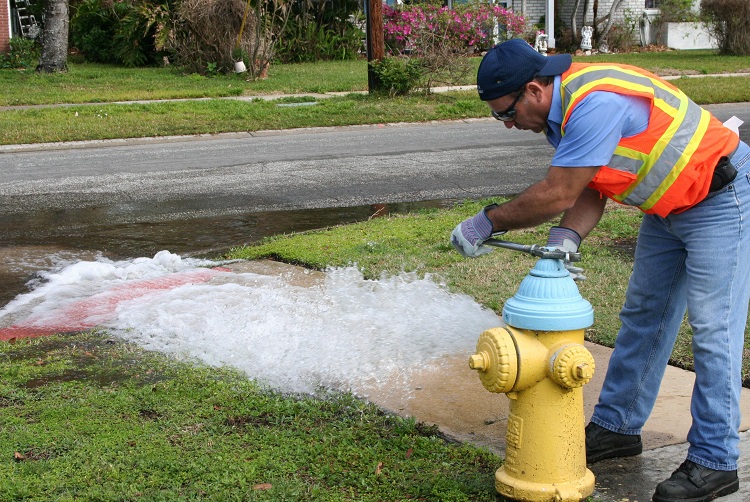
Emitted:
<point x="586" y="34"/>
<point x="541" y="42"/>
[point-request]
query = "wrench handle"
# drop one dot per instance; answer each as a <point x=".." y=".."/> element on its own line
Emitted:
<point x="535" y="250"/>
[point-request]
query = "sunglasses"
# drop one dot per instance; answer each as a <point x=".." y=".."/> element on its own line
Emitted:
<point x="510" y="113"/>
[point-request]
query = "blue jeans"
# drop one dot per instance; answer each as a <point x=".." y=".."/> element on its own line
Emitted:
<point x="697" y="260"/>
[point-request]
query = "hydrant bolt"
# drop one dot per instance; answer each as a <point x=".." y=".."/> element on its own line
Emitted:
<point x="583" y="371"/>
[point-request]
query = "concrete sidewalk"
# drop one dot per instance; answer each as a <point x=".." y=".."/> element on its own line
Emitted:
<point x="315" y="95"/>
<point x="453" y="398"/>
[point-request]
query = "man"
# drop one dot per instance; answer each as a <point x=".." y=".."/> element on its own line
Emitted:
<point x="625" y="134"/>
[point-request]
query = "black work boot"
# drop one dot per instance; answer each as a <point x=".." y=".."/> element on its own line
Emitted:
<point x="694" y="483"/>
<point x="602" y="443"/>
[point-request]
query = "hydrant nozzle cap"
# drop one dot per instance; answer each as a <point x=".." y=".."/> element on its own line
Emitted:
<point x="495" y="360"/>
<point x="573" y="366"/>
<point x="478" y="361"/>
<point x="548" y="300"/>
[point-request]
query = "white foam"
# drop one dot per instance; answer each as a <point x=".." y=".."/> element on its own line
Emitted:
<point x="342" y="334"/>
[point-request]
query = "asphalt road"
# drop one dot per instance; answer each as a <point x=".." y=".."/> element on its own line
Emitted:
<point x="279" y="170"/>
<point x="215" y="191"/>
<point x="160" y="179"/>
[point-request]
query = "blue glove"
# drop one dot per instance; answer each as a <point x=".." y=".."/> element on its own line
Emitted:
<point x="568" y="240"/>
<point x="469" y="235"/>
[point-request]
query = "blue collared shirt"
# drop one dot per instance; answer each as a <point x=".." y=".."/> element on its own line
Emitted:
<point x="595" y="126"/>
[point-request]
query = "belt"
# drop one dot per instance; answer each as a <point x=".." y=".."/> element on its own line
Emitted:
<point x="724" y="174"/>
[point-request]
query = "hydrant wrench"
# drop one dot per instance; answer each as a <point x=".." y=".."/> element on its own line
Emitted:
<point x="535" y="250"/>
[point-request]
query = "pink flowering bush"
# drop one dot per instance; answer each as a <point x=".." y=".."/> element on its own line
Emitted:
<point x="415" y="28"/>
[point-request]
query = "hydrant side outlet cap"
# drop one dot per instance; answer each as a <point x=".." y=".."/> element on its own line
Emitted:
<point x="548" y="300"/>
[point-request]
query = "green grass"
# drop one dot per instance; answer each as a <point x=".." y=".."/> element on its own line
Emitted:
<point x="112" y="121"/>
<point x="701" y="62"/>
<point x="104" y="85"/>
<point x="99" y="83"/>
<point x="86" y="417"/>
<point x="72" y="123"/>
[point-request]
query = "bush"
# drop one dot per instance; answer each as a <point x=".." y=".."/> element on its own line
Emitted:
<point x="209" y="36"/>
<point x="204" y="35"/>
<point x="321" y="31"/>
<point x="729" y="23"/>
<point x="23" y="53"/>
<point x="621" y="37"/>
<point x="396" y="75"/>
<point x="467" y="26"/>
<point x="441" y="38"/>
<point x="124" y="32"/>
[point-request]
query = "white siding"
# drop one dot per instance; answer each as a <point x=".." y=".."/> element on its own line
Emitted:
<point x="534" y="9"/>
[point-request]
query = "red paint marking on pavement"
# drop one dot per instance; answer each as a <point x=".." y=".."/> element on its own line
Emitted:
<point x="90" y="312"/>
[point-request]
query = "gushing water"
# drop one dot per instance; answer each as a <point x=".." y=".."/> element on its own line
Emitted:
<point x="343" y="332"/>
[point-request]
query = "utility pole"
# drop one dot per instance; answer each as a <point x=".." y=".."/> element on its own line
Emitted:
<point x="375" y="41"/>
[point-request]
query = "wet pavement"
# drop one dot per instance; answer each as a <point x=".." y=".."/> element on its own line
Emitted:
<point x="44" y="240"/>
<point x="453" y="398"/>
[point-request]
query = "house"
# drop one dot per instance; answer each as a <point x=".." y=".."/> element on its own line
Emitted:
<point x="641" y="15"/>
<point x="534" y="10"/>
<point x="641" y="12"/>
<point x="5" y="32"/>
<point x="16" y="20"/>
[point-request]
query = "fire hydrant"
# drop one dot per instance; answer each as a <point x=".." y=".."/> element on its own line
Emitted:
<point x="539" y="361"/>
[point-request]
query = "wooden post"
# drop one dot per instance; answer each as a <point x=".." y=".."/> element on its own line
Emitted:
<point x="375" y="39"/>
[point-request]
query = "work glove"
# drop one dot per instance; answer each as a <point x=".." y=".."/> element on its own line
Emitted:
<point x="469" y="235"/>
<point x="567" y="240"/>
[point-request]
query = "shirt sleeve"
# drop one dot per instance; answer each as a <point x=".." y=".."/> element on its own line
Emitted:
<point x="597" y="125"/>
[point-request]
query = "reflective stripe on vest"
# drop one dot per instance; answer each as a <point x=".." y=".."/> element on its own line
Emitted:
<point x="661" y="153"/>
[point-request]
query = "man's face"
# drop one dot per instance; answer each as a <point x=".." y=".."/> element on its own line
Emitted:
<point x="530" y="106"/>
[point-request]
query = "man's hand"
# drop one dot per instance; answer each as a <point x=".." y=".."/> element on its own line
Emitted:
<point x="568" y="240"/>
<point x="469" y="235"/>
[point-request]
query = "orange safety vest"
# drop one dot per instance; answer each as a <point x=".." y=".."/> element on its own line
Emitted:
<point x="668" y="167"/>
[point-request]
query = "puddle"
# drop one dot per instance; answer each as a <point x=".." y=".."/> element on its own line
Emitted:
<point x="31" y="243"/>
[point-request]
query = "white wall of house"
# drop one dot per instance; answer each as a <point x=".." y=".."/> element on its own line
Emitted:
<point x="532" y="9"/>
<point x="646" y="29"/>
<point x="629" y="10"/>
<point x="535" y="9"/>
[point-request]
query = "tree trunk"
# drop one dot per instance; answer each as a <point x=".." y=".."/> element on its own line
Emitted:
<point x="573" y="27"/>
<point x="611" y="19"/>
<point x="54" y="56"/>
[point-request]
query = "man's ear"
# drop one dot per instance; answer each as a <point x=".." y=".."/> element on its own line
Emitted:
<point x="535" y="91"/>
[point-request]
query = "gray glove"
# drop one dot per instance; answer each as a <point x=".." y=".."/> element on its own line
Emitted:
<point x="568" y="240"/>
<point x="469" y="235"/>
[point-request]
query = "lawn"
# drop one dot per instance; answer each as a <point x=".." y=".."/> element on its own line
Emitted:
<point x="93" y="94"/>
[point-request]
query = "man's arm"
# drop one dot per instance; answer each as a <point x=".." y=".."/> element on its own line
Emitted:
<point x="585" y="213"/>
<point x="562" y="191"/>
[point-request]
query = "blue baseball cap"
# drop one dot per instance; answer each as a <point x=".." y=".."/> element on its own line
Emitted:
<point x="509" y="65"/>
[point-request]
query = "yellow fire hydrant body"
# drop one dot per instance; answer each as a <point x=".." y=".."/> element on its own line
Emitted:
<point x="542" y="370"/>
